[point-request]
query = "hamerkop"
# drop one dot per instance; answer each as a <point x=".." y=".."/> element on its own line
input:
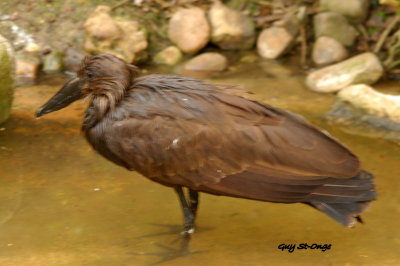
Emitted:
<point x="183" y="132"/>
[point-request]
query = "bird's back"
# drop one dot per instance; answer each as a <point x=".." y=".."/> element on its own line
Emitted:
<point x="182" y="131"/>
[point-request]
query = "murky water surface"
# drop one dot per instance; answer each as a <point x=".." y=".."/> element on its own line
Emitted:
<point x="62" y="204"/>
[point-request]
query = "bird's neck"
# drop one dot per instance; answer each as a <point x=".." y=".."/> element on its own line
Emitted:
<point x="103" y="99"/>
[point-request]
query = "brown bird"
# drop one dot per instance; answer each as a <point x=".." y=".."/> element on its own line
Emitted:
<point x="183" y="132"/>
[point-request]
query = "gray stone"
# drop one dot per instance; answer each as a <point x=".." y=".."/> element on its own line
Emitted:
<point x="336" y="26"/>
<point x="273" y="42"/>
<point x="290" y="22"/>
<point x="125" y="39"/>
<point x="169" y="56"/>
<point x="53" y="63"/>
<point x="372" y="102"/>
<point x="189" y="29"/>
<point x="364" y="68"/>
<point x="26" y="68"/>
<point x="327" y="50"/>
<point x="207" y="62"/>
<point x="6" y="79"/>
<point x="359" y="107"/>
<point x="230" y="29"/>
<point x="355" y="10"/>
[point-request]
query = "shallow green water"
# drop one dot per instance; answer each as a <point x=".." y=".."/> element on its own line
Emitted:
<point x="62" y="204"/>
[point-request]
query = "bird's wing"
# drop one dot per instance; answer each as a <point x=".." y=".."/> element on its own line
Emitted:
<point x="196" y="138"/>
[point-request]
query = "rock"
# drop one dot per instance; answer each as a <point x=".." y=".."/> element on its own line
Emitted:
<point x="364" y="68"/>
<point x="53" y="63"/>
<point x="278" y="39"/>
<point x="122" y="38"/>
<point x="372" y="102"/>
<point x="101" y="25"/>
<point x="230" y="29"/>
<point x="249" y="58"/>
<point x="334" y="25"/>
<point x="290" y="22"/>
<point x="275" y="69"/>
<point x="207" y="62"/>
<point x="360" y="104"/>
<point x="273" y="42"/>
<point x="133" y="42"/>
<point x="327" y="50"/>
<point x="189" y="29"/>
<point x="355" y="10"/>
<point x="169" y="56"/>
<point x="26" y="68"/>
<point x="72" y="60"/>
<point x="392" y="3"/>
<point x="32" y="48"/>
<point x="6" y="80"/>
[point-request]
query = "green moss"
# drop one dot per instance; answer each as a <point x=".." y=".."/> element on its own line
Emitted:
<point x="6" y="84"/>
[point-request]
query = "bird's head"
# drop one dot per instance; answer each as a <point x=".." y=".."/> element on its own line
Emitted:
<point x="102" y="74"/>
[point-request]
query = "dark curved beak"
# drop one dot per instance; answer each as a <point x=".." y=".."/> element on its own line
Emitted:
<point x="68" y="94"/>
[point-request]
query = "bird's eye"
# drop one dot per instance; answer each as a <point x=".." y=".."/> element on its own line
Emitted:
<point x="89" y="75"/>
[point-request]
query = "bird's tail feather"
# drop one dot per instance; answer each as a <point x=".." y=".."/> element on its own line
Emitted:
<point x="347" y="213"/>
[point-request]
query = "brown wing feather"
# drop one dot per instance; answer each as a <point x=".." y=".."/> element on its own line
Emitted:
<point x="178" y="135"/>
<point x="182" y="131"/>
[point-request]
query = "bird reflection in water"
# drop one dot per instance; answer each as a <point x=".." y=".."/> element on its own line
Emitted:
<point x="178" y="248"/>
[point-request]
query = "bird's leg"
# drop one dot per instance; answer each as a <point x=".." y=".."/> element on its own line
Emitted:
<point x="193" y="201"/>
<point x="188" y="216"/>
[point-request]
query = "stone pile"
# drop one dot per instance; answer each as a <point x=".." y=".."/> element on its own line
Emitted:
<point x="191" y="29"/>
